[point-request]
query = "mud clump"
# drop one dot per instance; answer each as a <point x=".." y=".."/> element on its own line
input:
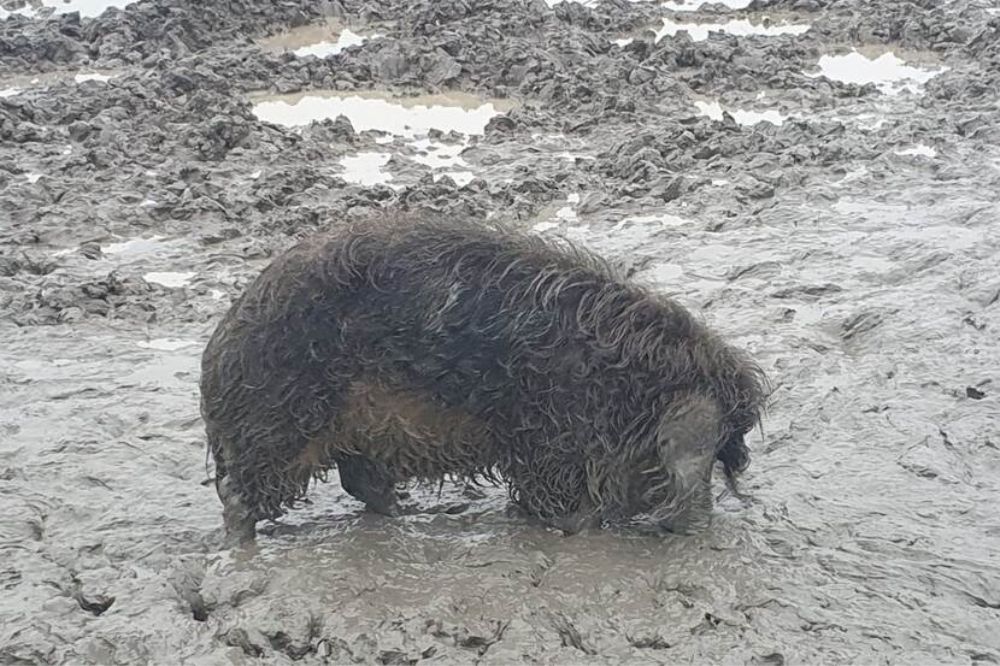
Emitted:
<point x="420" y="350"/>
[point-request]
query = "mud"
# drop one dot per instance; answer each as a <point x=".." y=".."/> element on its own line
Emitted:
<point x="852" y="248"/>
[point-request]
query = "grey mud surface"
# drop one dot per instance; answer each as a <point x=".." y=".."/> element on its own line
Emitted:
<point x="865" y="281"/>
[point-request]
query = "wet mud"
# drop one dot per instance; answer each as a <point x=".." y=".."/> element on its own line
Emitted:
<point x="827" y="198"/>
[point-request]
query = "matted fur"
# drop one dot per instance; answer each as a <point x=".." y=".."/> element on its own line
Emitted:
<point x="423" y="349"/>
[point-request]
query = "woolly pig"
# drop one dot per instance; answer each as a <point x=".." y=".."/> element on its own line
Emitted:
<point x="430" y="349"/>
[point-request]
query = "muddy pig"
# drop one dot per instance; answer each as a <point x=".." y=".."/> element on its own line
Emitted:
<point x="421" y="350"/>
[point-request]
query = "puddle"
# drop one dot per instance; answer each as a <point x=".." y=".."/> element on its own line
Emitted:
<point x="134" y="246"/>
<point x="561" y="215"/>
<point x="318" y="39"/>
<point x="919" y="149"/>
<point x="366" y="169"/>
<point x="663" y="219"/>
<point x="887" y="71"/>
<point x="15" y="85"/>
<point x="92" y="76"/>
<point x="869" y="122"/>
<point x="375" y="110"/>
<point x="696" y="5"/>
<point x="168" y="279"/>
<point x="742" y="116"/>
<point x="741" y="27"/>
<point x="438" y="155"/>
<point x="87" y="8"/>
<point x="461" y="178"/>
<point x="165" y="344"/>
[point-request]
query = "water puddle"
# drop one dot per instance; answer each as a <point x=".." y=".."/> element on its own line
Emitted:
<point x="375" y="110"/>
<point x="461" y="178"/>
<point x="445" y="159"/>
<point x="16" y="85"/>
<point x="658" y="219"/>
<point x="87" y="8"/>
<point x="411" y="118"/>
<point x="170" y="279"/>
<point x="438" y="155"/>
<point x="869" y="122"/>
<point x="695" y="5"/>
<point x="135" y="246"/>
<point x="318" y="39"/>
<point x="919" y="149"/>
<point x="165" y="344"/>
<point x="740" y="27"/>
<point x="561" y="215"/>
<point x="92" y="76"/>
<point x="366" y="169"/>
<point x="746" y="117"/>
<point x="887" y="71"/>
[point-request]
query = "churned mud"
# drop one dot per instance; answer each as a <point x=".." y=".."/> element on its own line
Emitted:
<point x="820" y="180"/>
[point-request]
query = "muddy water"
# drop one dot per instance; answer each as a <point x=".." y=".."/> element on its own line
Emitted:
<point x="318" y="39"/>
<point x="852" y="247"/>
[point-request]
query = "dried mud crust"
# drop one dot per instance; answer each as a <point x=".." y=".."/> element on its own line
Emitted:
<point x="853" y="250"/>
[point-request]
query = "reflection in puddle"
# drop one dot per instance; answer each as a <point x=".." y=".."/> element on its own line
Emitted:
<point x="869" y="122"/>
<point x="404" y="116"/>
<point x="165" y="344"/>
<point x="135" y="246"/>
<point x="562" y="214"/>
<point x="437" y="155"/>
<point x="92" y="76"/>
<point x="742" y="116"/>
<point x="567" y="213"/>
<point x="461" y="178"/>
<point x="920" y="149"/>
<point x="887" y="71"/>
<point x="16" y="85"/>
<point x="318" y="39"/>
<point x="662" y="219"/>
<point x="87" y="8"/>
<point x="694" y="5"/>
<point x="168" y="279"/>
<point x="742" y="27"/>
<point x="366" y="168"/>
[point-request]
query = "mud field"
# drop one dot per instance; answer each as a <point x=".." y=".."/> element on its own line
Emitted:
<point x="818" y="179"/>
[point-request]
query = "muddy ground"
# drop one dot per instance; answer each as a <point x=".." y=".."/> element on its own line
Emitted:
<point x="853" y="248"/>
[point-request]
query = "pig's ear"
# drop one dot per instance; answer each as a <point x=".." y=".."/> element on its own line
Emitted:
<point x="690" y="428"/>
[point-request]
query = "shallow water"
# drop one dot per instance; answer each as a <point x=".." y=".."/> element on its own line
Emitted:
<point x="700" y="31"/>
<point x="366" y="168"/>
<point x="403" y="116"/>
<point x="172" y="279"/>
<point x="17" y="84"/>
<point x="694" y="5"/>
<point x="318" y="39"/>
<point x="889" y="72"/>
<point x="87" y="8"/>
<point x="748" y="117"/>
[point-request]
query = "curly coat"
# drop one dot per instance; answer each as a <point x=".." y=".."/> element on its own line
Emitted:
<point x="431" y="349"/>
